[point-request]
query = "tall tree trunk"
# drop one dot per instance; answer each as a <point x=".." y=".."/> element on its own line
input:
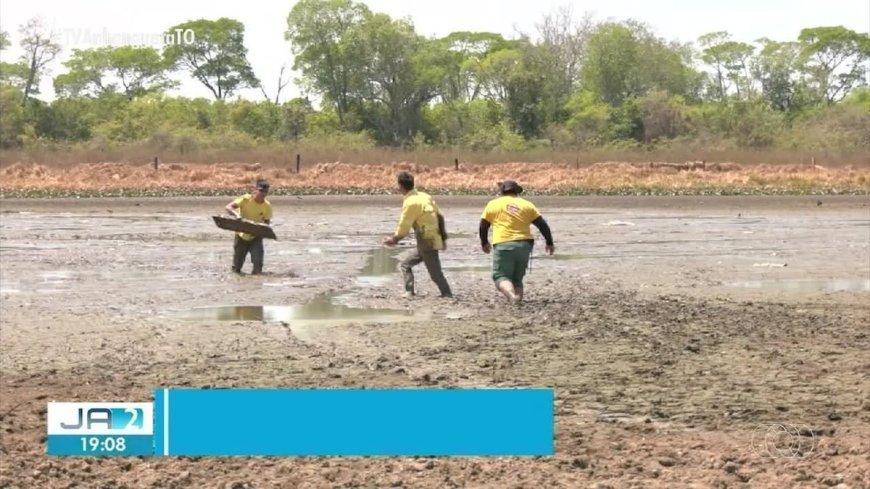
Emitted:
<point x="31" y="77"/>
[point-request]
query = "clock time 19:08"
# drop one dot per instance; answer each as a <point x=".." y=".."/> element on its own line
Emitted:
<point x="108" y="444"/>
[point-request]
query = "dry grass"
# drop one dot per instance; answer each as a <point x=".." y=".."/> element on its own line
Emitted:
<point x="285" y="155"/>
<point x="24" y="179"/>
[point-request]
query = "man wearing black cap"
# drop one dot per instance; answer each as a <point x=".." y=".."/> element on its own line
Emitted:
<point x="512" y="241"/>
<point x="253" y="207"/>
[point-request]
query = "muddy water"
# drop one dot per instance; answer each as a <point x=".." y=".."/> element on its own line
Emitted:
<point x="832" y="285"/>
<point x="319" y="309"/>
<point x="380" y="264"/>
<point x="714" y="248"/>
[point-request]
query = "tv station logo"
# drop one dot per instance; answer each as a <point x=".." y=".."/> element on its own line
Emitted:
<point x="100" y="418"/>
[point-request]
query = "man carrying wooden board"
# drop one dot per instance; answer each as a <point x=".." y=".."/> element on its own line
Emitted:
<point x="253" y="207"/>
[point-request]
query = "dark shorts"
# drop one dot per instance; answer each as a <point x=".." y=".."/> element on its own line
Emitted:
<point x="510" y="260"/>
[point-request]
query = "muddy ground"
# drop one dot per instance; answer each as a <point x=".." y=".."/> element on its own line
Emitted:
<point x="678" y="333"/>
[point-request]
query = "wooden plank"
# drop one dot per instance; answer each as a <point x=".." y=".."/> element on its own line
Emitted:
<point x="243" y="225"/>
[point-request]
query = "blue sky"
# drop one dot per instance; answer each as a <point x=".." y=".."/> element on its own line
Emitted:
<point x="90" y="23"/>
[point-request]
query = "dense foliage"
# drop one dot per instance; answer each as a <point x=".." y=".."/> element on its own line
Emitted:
<point x="573" y="84"/>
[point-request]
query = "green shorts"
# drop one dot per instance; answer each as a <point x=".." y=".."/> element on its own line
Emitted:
<point x="510" y="260"/>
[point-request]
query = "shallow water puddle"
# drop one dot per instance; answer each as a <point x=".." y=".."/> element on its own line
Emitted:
<point x="381" y="261"/>
<point x="32" y="247"/>
<point x="56" y="277"/>
<point x="320" y="308"/>
<point x="832" y="285"/>
<point x="380" y="264"/>
<point x="66" y="276"/>
<point x="9" y="287"/>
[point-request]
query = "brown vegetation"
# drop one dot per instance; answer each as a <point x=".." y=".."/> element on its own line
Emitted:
<point x="61" y="155"/>
<point x="606" y="177"/>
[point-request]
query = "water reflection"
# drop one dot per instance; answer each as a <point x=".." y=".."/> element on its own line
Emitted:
<point x="322" y="307"/>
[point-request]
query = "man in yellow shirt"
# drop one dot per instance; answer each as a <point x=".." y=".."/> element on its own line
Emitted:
<point x="510" y="217"/>
<point x="253" y="207"/>
<point x="420" y="212"/>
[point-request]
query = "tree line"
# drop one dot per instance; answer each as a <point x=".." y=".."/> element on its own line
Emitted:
<point x="574" y="83"/>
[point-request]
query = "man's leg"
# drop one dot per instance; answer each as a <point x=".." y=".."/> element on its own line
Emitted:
<point x="240" y="252"/>
<point x="503" y="270"/>
<point x="506" y="287"/>
<point x="521" y="263"/>
<point x="257" y="255"/>
<point x="433" y="265"/>
<point x="411" y="259"/>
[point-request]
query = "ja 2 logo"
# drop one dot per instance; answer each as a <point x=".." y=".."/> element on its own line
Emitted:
<point x="110" y="418"/>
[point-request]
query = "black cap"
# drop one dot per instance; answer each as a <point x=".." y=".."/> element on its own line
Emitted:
<point x="510" y="187"/>
<point x="263" y="185"/>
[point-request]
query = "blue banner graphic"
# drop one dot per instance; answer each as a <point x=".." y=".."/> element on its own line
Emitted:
<point x="316" y="422"/>
<point x="353" y="422"/>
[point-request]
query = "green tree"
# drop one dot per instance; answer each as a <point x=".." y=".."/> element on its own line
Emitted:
<point x="564" y="39"/>
<point x="843" y="126"/>
<point x="260" y="120"/>
<point x="138" y="70"/>
<point x="199" y="113"/>
<point x="588" y="119"/>
<point x="401" y="76"/>
<point x="295" y="114"/>
<point x="496" y="70"/>
<point x="663" y="116"/>
<point x="746" y="123"/>
<point x="529" y="81"/>
<point x="525" y="93"/>
<point x="217" y="58"/>
<point x="14" y="74"/>
<point x="39" y="51"/>
<point x="835" y="59"/>
<point x="67" y="119"/>
<point x="625" y="122"/>
<point x="462" y="56"/>
<point x="140" y="119"/>
<point x="730" y="61"/>
<point x="625" y="60"/>
<point x="516" y="77"/>
<point x="330" y="63"/>
<point x="450" y="123"/>
<point x="776" y="67"/>
<point x="550" y="89"/>
<point x="12" y="123"/>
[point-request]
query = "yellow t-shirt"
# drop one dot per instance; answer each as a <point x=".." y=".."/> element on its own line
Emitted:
<point x="251" y="210"/>
<point x="510" y="217"/>
<point x="420" y="212"/>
